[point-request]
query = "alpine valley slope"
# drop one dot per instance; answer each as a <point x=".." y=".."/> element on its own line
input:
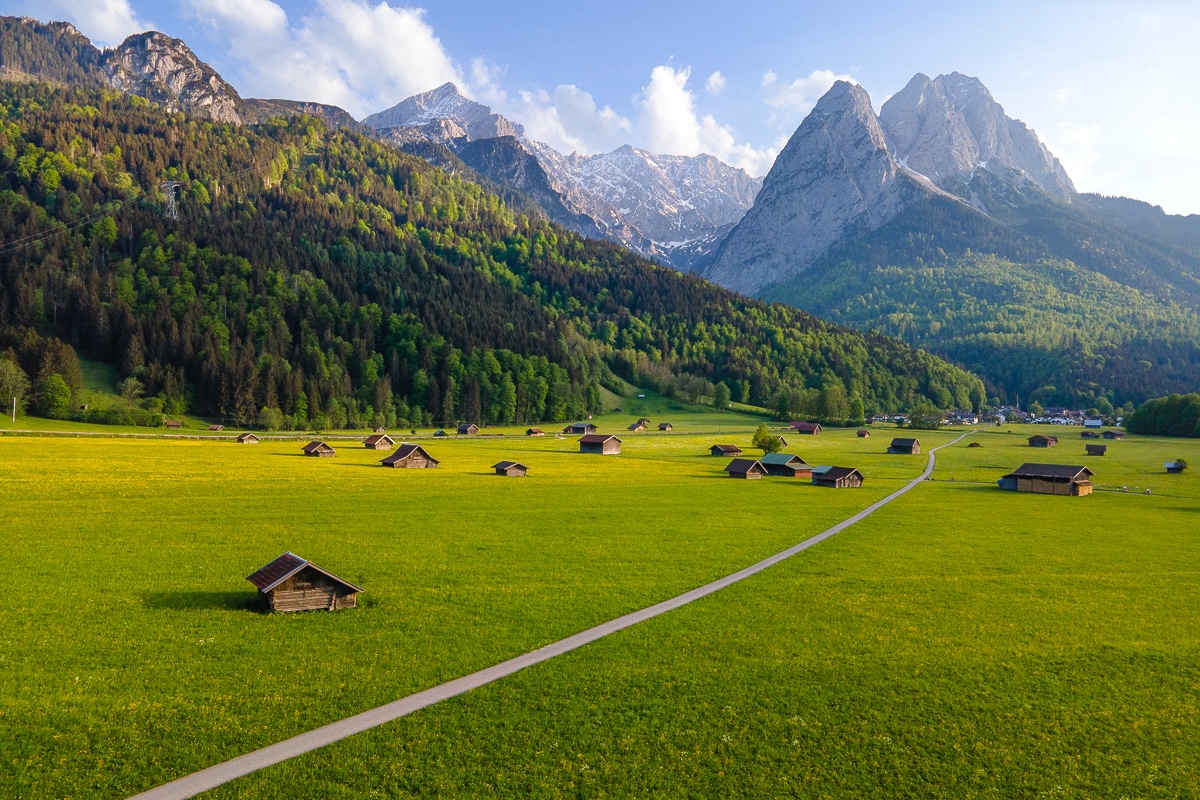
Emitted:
<point x="945" y="222"/>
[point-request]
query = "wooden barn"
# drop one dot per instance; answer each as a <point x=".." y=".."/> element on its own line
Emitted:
<point x="319" y="450"/>
<point x="247" y="438"/>
<point x="746" y="468"/>
<point x="381" y="429"/>
<point x="837" y="477"/>
<point x="665" y="426"/>
<point x="1096" y="449"/>
<point x="379" y="441"/>
<point x="1175" y="467"/>
<point x="1041" y="440"/>
<point x="410" y="456"/>
<point x="725" y="450"/>
<point x="468" y="429"/>
<point x="510" y="469"/>
<point x="439" y="433"/>
<point x="637" y="427"/>
<point x="907" y="447"/>
<point x="1059" y="479"/>
<point x="216" y="427"/>
<point x="600" y="444"/>
<point x="786" y="465"/>
<point x="1088" y="435"/>
<point x="810" y="428"/>
<point x="173" y="424"/>
<point x="782" y="441"/>
<point x="535" y="432"/>
<point x="1113" y="434"/>
<point x="863" y="434"/>
<point x="291" y="583"/>
<point x="580" y="428"/>
<point x="644" y="421"/>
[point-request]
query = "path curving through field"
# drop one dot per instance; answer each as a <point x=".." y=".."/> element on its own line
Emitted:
<point x="219" y="774"/>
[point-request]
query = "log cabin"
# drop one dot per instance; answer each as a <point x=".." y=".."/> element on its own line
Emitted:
<point x="863" y="434"/>
<point x="1113" y="434"/>
<point x="173" y="424"/>
<point x="511" y="469"/>
<point x="410" y="456"/>
<point x="665" y="426"/>
<point x="837" y="477"/>
<point x="786" y="465"/>
<point x="379" y="441"/>
<point x="746" y="468"/>
<point x="319" y="450"/>
<point x="637" y="427"/>
<point x="291" y="583"/>
<point x="216" y="427"/>
<point x="810" y="428"/>
<point x="908" y="447"/>
<point x="468" y="429"/>
<point x="1041" y="440"/>
<point x="582" y="428"/>
<point x="381" y="429"/>
<point x="600" y="444"/>
<point x="725" y="450"/>
<point x="1095" y="449"/>
<point x="247" y="438"/>
<point x="1059" y="479"/>
<point x="535" y="432"/>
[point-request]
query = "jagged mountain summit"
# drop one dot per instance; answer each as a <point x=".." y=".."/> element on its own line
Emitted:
<point x="949" y="127"/>
<point x="446" y="115"/>
<point x="834" y="179"/>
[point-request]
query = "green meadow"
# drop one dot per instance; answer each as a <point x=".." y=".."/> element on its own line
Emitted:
<point x="963" y="642"/>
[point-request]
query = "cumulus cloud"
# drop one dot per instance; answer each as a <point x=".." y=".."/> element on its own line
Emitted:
<point x="668" y="123"/>
<point x="105" y="22"/>
<point x="715" y="83"/>
<point x="790" y="101"/>
<point x="360" y="55"/>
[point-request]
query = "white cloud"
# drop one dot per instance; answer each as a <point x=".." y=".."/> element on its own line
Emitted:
<point x="105" y="22"/>
<point x="360" y="55"/>
<point x="715" y="83"/>
<point x="668" y="123"/>
<point x="790" y="102"/>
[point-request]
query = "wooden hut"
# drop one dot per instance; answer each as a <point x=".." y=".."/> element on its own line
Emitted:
<point x="173" y="424"/>
<point x="216" y="427"/>
<point x="381" y="429"/>
<point x="837" y="477"/>
<point x="725" y="450"/>
<point x="379" y="441"/>
<point x="439" y="433"/>
<point x="637" y="427"/>
<point x="600" y="444"/>
<point x="1041" y="440"/>
<point x="468" y="429"/>
<point x="1175" y="467"/>
<point x="1113" y="434"/>
<point x="746" y="468"/>
<point x="580" y="428"/>
<point x="863" y="434"/>
<point x="786" y="465"/>
<point x="644" y="421"/>
<point x="291" y="583"/>
<point x="510" y="469"/>
<point x="1096" y="449"/>
<point x="247" y="438"/>
<point x="666" y="426"/>
<point x="782" y="441"/>
<point x="535" y="432"/>
<point x="1059" y="479"/>
<point x="974" y="444"/>
<point x="809" y="428"/>
<point x="904" y="446"/>
<point x="319" y="450"/>
<point x="1088" y="435"/>
<point x="410" y="456"/>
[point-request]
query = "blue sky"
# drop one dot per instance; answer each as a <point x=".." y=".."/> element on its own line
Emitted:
<point x="1110" y="86"/>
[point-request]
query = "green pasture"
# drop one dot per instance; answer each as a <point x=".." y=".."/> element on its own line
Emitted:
<point x="962" y="642"/>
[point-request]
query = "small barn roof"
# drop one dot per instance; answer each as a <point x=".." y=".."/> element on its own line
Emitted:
<point x="837" y="473"/>
<point x="726" y="448"/>
<point x="378" y="438"/>
<point x="743" y="466"/>
<point x="1044" y="437"/>
<point x="314" y="446"/>
<point x="466" y="426"/>
<point x="406" y="450"/>
<point x="905" y="442"/>
<point x="507" y="464"/>
<point x="284" y="567"/>
<point x="245" y="437"/>
<point x="804" y="426"/>
<point x="783" y="460"/>
<point x="1051" y="471"/>
<point x="596" y="438"/>
<point x="535" y="430"/>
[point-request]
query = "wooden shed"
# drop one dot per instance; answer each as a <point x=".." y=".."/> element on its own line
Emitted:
<point x="291" y="583"/>
<point x="1088" y="435"/>
<point x="439" y="433"/>
<point x="535" y="432"/>
<point x="468" y="429"/>
<point x="581" y="428"/>
<point x="786" y="465"/>
<point x="1113" y="434"/>
<point x="510" y="469"/>
<point x="216" y="427"/>
<point x="1096" y="449"/>
<point x="410" y="456"/>
<point x="247" y="438"/>
<point x="837" y="477"/>
<point x="725" y="450"/>
<point x="600" y="444"/>
<point x="319" y="450"/>
<point x="903" y="446"/>
<point x="1175" y="467"/>
<point x="863" y="434"/>
<point x="746" y="468"/>
<point x="379" y="441"/>
<point x="1041" y="440"/>
<point x="974" y="444"/>
<point x="637" y="427"/>
<point x="645" y="421"/>
<point x="1059" y="479"/>
<point x="782" y="441"/>
<point x="810" y="428"/>
<point x="173" y="424"/>
<point x="381" y="429"/>
<point x="666" y="426"/>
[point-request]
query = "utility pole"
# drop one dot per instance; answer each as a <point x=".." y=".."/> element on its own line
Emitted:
<point x="14" y="411"/>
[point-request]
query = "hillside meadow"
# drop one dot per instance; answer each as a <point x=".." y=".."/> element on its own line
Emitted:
<point x="976" y="641"/>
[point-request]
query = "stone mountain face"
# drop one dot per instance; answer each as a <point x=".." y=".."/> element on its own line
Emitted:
<point x="834" y="179"/>
<point x="166" y="71"/>
<point x="446" y="115"/>
<point x="950" y="126"/>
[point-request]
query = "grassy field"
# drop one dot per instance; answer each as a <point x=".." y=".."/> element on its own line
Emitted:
<point x="963" y="642"/>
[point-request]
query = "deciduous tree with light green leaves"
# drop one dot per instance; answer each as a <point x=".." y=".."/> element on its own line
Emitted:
<point x="14" y="383"/>
<point x="925" y="416"/>
<point x="54" y="396"/>
<point x="766" y="441"/>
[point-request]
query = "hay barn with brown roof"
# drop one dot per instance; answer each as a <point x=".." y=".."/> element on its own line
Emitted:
<point x="665" y="426"/>
<point x="837" y="477"/>
<point x="746" y="468"/>
<point x="174" y="424"/>
<point x="379" y="441"/>
<point x="319" y="450"/>
<point x="637" y="427"/>
<point x="580" y="428"/>
<point x="725" y="450"/>
<point x="247" y="438"/>
<point x="1095" y="449"/>
<point x="1042" y="440"/>
<point x="903" y="446"/>
<point x="410" y="456"/>
<point x="785" y="465"/>
<point x="1059" y="479"/>
<point x="510" y="469"/>
<point x="1088" y="435"/>
<point x="468" y="429"/>
<point x="535" y="432"/>
<point x="863" y="434"/>
<point x="1113" y="434"/>
<point x="600" y="444"/>
<point x="291" y="583"/>
<point x="216" y="427"/>
<point x="810" y="428"/>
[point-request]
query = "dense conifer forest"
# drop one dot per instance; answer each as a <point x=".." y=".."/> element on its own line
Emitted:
<point x="319" y="277"/>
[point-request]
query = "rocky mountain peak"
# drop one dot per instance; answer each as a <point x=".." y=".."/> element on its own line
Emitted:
<point x="446" y="104"/>
<point x="166" y="71"/>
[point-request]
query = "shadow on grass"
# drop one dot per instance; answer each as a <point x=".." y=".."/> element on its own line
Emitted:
<point x="204" y="601"/>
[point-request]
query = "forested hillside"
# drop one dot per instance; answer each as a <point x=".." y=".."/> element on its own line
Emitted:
<point x="328" y="278"/>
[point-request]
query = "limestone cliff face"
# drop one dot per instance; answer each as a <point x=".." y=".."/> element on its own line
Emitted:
<point x="166" y="71"/>
<point x="949" y="127"/>
<point x="834" y="179"/>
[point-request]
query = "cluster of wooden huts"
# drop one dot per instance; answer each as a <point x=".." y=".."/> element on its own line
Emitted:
<point x="786" y="465"/>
